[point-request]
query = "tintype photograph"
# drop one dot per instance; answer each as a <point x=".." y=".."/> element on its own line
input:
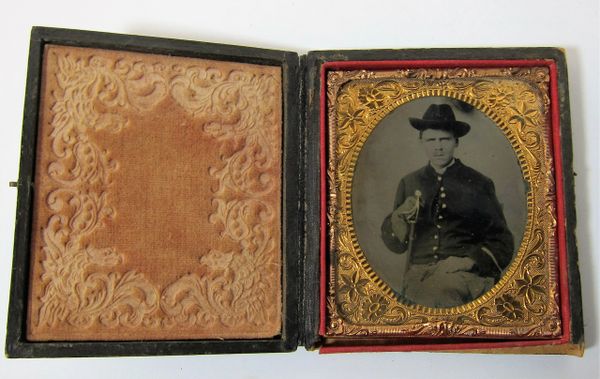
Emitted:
<point x="439" y="202"/>
<point x="442" y="208"/>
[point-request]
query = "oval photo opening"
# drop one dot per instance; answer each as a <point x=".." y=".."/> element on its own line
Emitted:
<point x="439" y="203"/>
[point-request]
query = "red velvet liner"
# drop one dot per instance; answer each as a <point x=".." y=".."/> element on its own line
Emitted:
<point x="560" y="205"/>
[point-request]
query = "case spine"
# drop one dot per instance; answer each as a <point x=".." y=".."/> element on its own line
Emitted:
<point x="311" y="164"/>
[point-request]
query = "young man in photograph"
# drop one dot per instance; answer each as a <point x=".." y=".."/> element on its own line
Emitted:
<point x="447" y="218"/>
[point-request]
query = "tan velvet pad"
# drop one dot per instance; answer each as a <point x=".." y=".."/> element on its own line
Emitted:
<point x="157" y="211"/>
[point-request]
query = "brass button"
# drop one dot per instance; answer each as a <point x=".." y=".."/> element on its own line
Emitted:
<point x="440" y="217"/>
<point x="443" y="205"/>
<point x="442" y="188"/>
<point x="436" y="256"/>
<point x="439" y="178"/>
<point x="443" y="195"/>
<point x="435" y="248"/>
<point x="438" y="226"/>
<point x="435" y="237"/>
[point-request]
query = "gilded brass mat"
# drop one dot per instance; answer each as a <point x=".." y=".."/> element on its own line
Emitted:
<point x="157" y="199"/>
<point x="524" y="303"/>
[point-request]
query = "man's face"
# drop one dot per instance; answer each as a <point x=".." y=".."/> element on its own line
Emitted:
<point x="439" y="146"/>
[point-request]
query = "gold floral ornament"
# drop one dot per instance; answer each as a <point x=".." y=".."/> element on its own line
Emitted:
<point x="353" y="286"/>
<point x="84" y="286"/>
<point x="509" y="307"/>
<point x="374" y="307"/>
<point x="524" y="302"/>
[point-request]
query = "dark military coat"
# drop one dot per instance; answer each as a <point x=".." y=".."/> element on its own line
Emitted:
<point x="459" y="214"/>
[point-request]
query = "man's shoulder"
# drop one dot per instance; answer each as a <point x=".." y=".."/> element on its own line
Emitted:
<point x="471" y="175"/>
<point x="415" y="175"/>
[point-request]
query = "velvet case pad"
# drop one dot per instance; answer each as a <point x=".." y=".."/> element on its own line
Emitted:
<point x="157" y="199"/>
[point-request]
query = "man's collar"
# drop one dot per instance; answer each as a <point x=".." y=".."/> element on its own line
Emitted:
<point x="443" y="170"/>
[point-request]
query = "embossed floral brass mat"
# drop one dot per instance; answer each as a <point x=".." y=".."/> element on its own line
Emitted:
<point x="513" y="105"/>
<point x="157" y="199"/>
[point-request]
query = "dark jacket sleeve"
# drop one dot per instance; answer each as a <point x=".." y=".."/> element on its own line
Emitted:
<point x="496" y="237"/>
<point x="387" y="234"/>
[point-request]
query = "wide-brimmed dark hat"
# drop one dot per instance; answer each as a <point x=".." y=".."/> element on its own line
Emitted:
<point x="440" y="116"/>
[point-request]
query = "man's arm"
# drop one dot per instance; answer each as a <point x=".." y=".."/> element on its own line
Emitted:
<point x="497" y="246"/>
<point x="389" y="237"/>
<point x="397" y="244"/>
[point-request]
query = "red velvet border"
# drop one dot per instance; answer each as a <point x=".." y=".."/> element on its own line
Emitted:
<point x="560" y="206"/>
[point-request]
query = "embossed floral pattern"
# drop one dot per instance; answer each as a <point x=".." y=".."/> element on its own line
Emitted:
<point x="374" y="307"/>
<point x="350" y="118"/>
<point x="371" y="97"/>
<point x="530" y="285"/>
<point x="353" y="286"/>
<point x="499" y="98"/>
<point x="508" y="307"/>
<point x="83" y="285"/>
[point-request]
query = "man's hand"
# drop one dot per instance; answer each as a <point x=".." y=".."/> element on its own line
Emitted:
<point x="400" y="217"/>
<point x="407" y="208"/>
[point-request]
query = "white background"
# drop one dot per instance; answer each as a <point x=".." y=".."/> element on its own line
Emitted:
<point x="310" y="25"/>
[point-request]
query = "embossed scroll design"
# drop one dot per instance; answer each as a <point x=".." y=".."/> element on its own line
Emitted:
<point x="232" y="107"/>
<point x="525" y="301"/>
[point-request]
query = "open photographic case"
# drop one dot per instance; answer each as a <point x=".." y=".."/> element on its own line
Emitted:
<point x="180" y="197"/>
